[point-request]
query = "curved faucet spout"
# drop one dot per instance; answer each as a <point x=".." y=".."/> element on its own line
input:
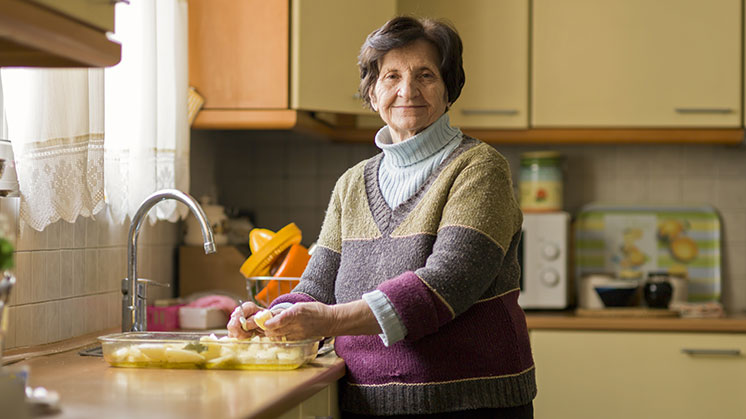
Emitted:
<point x="133" y="303"/>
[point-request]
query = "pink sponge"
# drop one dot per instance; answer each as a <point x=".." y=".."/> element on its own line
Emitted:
<point x="227" y="304"/>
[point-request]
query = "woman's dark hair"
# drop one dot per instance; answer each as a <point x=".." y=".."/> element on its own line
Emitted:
<point x="401" y="31"/>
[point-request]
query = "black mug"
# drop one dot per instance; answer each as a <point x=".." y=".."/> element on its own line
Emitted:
<point x="658" y="293"/>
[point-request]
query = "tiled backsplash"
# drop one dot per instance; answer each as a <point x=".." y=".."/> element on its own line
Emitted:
<point x="285" y="176"/>
<point x="68" y="276"/>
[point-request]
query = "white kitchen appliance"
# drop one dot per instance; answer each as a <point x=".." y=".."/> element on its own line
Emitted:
<point x="543" y="254"/>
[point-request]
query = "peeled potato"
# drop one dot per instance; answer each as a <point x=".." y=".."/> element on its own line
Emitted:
<point x="180" y="356"/>
<point x="261" y="317"/>
<point x="154" y="351"/>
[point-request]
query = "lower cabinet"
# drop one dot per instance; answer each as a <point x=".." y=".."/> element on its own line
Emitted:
<point x="323" y="404"/>
<point x="595" y="374"/>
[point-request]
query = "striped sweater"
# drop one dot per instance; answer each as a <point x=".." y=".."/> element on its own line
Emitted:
<point x="446" y="258"/>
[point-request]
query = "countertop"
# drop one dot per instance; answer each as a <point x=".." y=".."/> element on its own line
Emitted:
<point x="569" y="321"/>
<point x="90" y="388"/>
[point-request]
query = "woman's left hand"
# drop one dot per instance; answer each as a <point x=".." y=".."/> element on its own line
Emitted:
<point x="302" y="321"/>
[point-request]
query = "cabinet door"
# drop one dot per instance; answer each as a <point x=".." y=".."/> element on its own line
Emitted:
<point x="636" y="63"/>
<point x="326" y="40"/>
<point x="584" y="374"/>
<point x="495" y="38"/>
<point x="238" y="53"/>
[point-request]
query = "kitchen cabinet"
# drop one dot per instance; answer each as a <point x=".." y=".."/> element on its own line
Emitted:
<point x="495" y="37"/>
<point x="636" y="63"/>
<point x="326" y="40"/>
<point x="238" y="61"/>
<point x="627" y="374"/>
<point x="48" y="33"/>
<point x="323" y="404"/>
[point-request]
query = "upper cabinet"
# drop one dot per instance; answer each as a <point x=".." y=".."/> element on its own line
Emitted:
<point x="495" y="38"/>
<point x="636" y="63"/>
<point x="238" y="61"/>
<point x="326" y="40"/>
<point x="48" y="33"/>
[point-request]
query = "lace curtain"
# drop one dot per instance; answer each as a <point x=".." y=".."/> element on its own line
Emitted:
<point x="147" y="132"/>
<point x="79" y="132"/>
<point x="55" y="122"/>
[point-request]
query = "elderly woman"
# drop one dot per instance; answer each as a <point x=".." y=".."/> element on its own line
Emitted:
<point x="416" y="270"/>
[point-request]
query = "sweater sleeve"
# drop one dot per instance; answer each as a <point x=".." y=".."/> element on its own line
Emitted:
<point x="479" y="223"/>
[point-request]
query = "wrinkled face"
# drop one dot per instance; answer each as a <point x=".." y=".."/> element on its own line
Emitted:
<point x="409" y="94"/>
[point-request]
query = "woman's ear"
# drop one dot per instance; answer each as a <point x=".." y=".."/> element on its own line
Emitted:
<point x="372" y="98"/>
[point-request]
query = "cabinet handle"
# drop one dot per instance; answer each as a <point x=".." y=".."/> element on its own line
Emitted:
<point x="489" y="111"/>
<point x="704" y="110"/>
<point x="717" y="352"/>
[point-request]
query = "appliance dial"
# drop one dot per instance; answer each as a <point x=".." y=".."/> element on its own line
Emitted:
<point x="550" y="251"/>
<point x="550" y="277"/>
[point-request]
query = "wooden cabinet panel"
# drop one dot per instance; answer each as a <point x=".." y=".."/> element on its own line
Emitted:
<point x="582" y="374"/>
<point x="636" y="63"/>
<point x="238" y="53"/>
<point x="96" y="13"/>
<point x="326" y="40"/>
<point x="495" y="36"/>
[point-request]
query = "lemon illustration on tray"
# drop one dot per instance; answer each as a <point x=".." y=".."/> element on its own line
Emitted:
<point x="683" y="248"/>
<point x="632" y="256"/>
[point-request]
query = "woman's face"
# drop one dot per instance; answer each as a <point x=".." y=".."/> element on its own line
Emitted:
<point x="409" y="93"/>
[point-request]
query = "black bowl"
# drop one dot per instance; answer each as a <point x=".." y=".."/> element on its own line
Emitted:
<point x="616" y="297"/>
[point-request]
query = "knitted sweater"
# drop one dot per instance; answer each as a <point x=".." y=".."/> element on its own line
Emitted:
<point x="446" y="258"/>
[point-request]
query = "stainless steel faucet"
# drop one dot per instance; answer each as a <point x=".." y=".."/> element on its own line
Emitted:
<point x="135" y="292"/>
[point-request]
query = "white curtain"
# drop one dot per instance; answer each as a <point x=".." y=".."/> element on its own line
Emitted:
<point x="79" y="132"/>
<point x="55" y="122"/>
<point x="146" y="145"/>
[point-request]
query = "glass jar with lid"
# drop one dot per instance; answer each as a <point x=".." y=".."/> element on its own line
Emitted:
<point x="541" y="183"/>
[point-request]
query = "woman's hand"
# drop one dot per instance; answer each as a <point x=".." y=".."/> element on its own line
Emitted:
<point x="234" y="324"/>
<point x="302" y="321"/>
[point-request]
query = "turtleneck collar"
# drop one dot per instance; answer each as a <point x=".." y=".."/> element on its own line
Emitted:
<point x="418" y="147"/>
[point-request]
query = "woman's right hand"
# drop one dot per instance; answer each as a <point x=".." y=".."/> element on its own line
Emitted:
<point x="234" y="324"/>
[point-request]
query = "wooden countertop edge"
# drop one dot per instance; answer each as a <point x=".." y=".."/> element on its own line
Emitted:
<point x="569" y="322"/>
<point x="79" y="342"/>
<point x="302" y="391"/>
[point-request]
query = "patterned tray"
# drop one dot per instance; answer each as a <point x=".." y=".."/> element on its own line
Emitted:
<point x="681" y="239"/>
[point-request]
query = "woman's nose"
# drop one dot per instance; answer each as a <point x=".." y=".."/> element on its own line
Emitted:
<point x="408" y="87"/>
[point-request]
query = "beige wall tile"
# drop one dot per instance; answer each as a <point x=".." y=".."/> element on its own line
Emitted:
<point x="731" y="193"/>
<point x="9" y="207"/>
<point x="53" y="280"/>
<point x="67" y="288"/>
<point x="10" y="334"/>
<point x="38" y="323"/>
<point x="699" y="161"/>
<point x="731" y="162"/>
<point x="39" y="290"/>
<point x="53" y="321"/>
<point x="91" y="271"/>
<point x="91" y="233"/>
<point x="23" y="272"/>
<point x="734" y="226"/>
<point x="53" y="235"/>
<point x="78" y="316"/>
<point x="24" y="326"/>
<point x="699" y="190"/>
<point x="66" y="318"/>
<point x="79" y="272"/>
<point x="664" y="190"/>
<point x="67" y="235"/>
<point x="666" y="161"/>
<point x="734" y="296"/>
<point x="80" y="233"/>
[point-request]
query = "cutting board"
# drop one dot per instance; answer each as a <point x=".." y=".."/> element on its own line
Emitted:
<point x="676" y="239"/>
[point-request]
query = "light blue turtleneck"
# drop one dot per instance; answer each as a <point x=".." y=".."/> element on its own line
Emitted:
<point x="406" y="165"/>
